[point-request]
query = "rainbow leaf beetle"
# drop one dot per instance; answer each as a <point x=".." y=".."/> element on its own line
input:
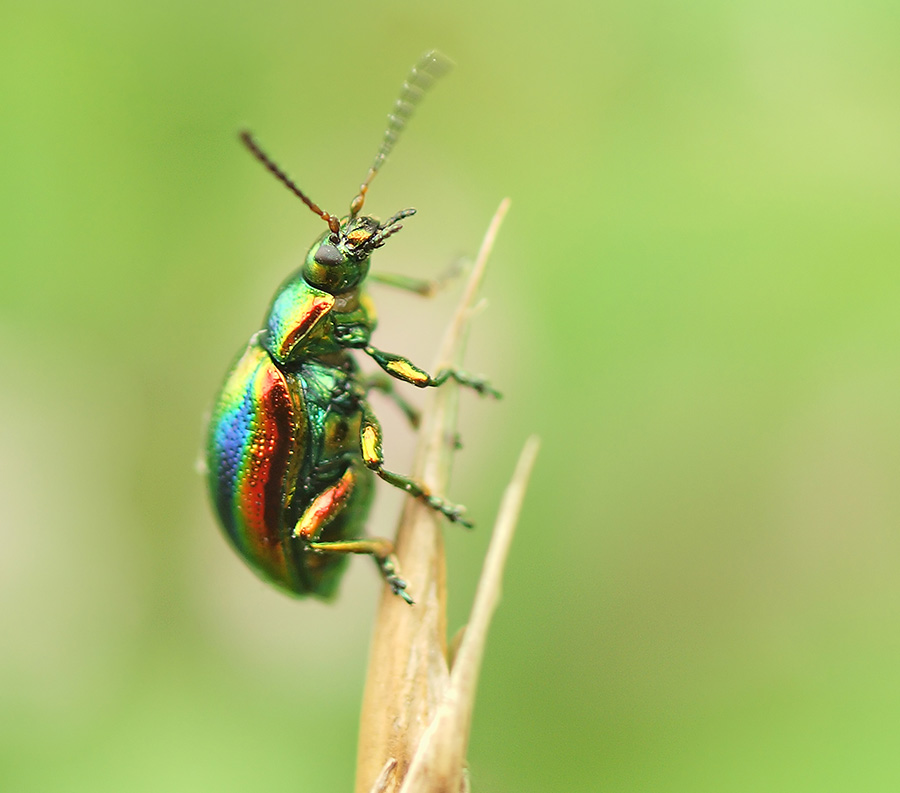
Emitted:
<point x="293" y="445"/>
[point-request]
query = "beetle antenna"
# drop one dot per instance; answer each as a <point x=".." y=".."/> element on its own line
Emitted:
<point x="403" y="213"/>
<point x="247" y="139"/>
<point x="429" y="68"/>
<point x="378" y="240"/>
<point x="391" y="226"/>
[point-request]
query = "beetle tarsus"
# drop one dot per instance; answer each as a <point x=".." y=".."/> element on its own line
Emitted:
<point x="388" y="567"/>
<point x="475" y="382"/>
<point x="453" y="512"/>
<point x="398" y="587"/>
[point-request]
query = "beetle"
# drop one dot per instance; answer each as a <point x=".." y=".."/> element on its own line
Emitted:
<point x="293" y="445"/>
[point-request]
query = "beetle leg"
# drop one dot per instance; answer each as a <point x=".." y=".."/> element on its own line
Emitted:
<point x="323" y="509"/>
<point x="381" y="550"/>
<point x="378" y="382"/>
<point x="476" y="382"/>
<point x="427" y="287"/>
<point x="403" y="369"/>
<point x="370" y="444"/>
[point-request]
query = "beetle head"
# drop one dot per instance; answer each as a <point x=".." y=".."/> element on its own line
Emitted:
<point x="339" y="261"/>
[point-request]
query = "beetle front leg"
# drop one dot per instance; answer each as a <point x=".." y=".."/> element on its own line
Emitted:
<point x="323" y="509"/>
<point x="403" y="369"/>
<point x="426" y="287"/>
<point x="370" y="444"/>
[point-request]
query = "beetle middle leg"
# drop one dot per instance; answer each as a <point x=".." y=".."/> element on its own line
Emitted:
<point x="323" y="509"/>
<point x="373" y="457"/>
<point x="378" y="382"/>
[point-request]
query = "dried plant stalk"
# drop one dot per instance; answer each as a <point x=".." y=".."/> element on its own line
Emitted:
<point x="409" y="676"/>
<point x="439" y="762"/>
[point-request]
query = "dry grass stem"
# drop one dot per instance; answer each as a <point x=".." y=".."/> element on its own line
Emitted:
<point x="439" y="762"/>
<point x="409" y="676"/>
<point x="385" y="776"/>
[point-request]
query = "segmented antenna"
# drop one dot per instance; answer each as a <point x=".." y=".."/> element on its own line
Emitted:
<point x="391" y="226"/>
<point x="247" y="139"/>
<point x="429" y="68"/>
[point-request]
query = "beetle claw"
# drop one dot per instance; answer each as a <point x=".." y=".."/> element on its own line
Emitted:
<point x="453" y="512"/>
<point x="398" y="587"/>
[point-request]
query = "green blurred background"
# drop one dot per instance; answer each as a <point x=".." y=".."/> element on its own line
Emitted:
<point x="694" y="302"/>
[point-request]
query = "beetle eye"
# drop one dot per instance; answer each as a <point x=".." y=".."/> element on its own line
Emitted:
<point x="328" y="255"/>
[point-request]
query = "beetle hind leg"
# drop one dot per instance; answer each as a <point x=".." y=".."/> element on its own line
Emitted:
<point x="323" y="509"/>
<point x="381" y="550"/>
<point x="370" y="444"/>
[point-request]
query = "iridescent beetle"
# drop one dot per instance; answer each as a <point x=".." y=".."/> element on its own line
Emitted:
<point x="293" y="444"/>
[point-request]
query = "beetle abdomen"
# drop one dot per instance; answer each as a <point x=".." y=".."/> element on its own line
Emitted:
<point x="254" y="441"/>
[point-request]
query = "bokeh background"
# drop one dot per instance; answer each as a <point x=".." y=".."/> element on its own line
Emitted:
<point x="694" y="302"/>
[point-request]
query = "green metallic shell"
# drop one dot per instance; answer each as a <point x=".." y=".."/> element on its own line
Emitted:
<point x="281" y="432"/>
